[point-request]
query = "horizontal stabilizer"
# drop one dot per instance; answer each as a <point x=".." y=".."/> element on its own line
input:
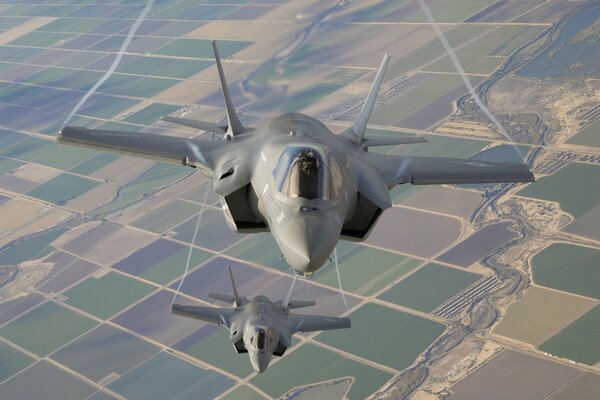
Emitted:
<point x="226" y="298"/>
<point x="201" y="125"/>
<point x="370" y="141"/>
<point x="300" y="303"/>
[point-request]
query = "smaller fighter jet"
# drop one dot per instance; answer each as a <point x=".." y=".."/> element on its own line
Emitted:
<point x="260" y="327"/>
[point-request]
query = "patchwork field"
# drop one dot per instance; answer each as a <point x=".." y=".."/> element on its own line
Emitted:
<point x="404" y="338"/>
<point x="414" y="232"/>
<point x="90" y="295"/>
<point x="311" y="364"/>
<point x="540" y="314"/>
<point x="577" y="341"/>
<point x="429" y="287"/>
<point x="46" y="328"/>
<point x="97" y="234"/>
<point x="513" y="375"/>
<point x="574" y="269"/>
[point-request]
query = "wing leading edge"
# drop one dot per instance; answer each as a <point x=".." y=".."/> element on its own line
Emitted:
<point x="312" y="323"/>
<point x="174" y="150"/>
<point x="439" y="170"/>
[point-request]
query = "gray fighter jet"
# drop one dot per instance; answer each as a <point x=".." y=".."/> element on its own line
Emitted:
<point x="294" y="177"/>
<point x="260" y="327"/>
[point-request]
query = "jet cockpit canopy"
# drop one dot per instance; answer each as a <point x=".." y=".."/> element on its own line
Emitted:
<point x="308" y="172"/>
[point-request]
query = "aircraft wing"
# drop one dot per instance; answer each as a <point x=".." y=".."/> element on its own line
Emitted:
<point x="214" y="315"/>
<point x="174" y="150"/>
<point x="311" y="323"/>
<point x="440" y="170"/>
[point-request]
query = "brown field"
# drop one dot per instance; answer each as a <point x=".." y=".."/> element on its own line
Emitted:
<point x="414" y="232"/>
<point x="92" y="199"/>
<point x="585" y="387"/>
<point x="36" y="173"/>
<point x="29" y="25"/>
<point x="541" y="313"/>
<point x="118" y="245"/>
<point x="123" y="170"/>
<point x="21" y="217"/>
<point x="446" y="200"/>
<point x="512" y="375"/>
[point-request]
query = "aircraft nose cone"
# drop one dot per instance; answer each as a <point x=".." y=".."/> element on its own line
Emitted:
<point x="260" y="362"/>
<point x="307" y="242"/>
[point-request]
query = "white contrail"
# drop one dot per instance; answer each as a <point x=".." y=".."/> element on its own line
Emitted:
<point x="189" y="256"/>
<point x="463" y="75"/>
<point x="339" y="277"/>
<point x="115" y="63"/>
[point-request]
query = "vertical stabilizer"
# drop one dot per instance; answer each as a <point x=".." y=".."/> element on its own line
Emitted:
<point x="236" y="297"/>
<point x="360" y="125"/>
<point x="234" y="126"/>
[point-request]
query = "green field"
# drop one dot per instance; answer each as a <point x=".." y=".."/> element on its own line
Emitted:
<point x="589" y="136"/>
<point x="443" y="146"/>
<point x="576" y="187"/>
<point x="7" y="165"/>
<point x="91" y="294"/>
<point x="64" y="157"/>
<point x="46" y="328"/>
<point x="401" y="193"/>
<point x="151" y="113"/>
<point x="104" y="350"/>
<point x="28" y="148"/>
<point x="429" y="287"/>
<point x="451" y="10"/>
<point x="63" y="188"/>
<point x="48" y="76"/>
<point x="365" y="270"/>
<point x="243" y="393"/>
<point x="404" y="337"/>
<point x="9" y="137"/>
<point x="415" y="99"/>
<point x="13" y="361"/>
<point x="200" y="48"/>
<point x="311" y="364"/>
<point x="106" y="107"/>
<point x="93" y="164"/>
<point x="34" y="247"/>
<point x="167" y="377"/>
<point x="173" y="266"/>
<point x="578" y="341"/>
<point x="166" y="216"/>
<point x="158" y="176"/>
<point x="216" y="350"/>
<point x="486" y="53"/>
<point x="574" y="269"/>
<point x="260" y="248"/>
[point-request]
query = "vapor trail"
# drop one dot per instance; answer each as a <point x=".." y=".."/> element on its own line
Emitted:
<point x="115" y="63"/>
<point x="463" y="75"/>
<point x="189" y="256"/>
<point x="339" y="277"/>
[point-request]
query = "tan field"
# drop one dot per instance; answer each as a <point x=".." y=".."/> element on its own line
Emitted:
<point x="513" y="375"/>
<point x="21" y="217"/>
<point x="147" y="205"/>
<point x="36" y="173"/>
<point x="585" y="387"/>
<point x="26" y="27"/>
<point x="466" y="129"/>
<point x="540" y="314"/>
<point x="446" y="200"/>
<point x="92" y="199"/>
<point x="123" y="170"/>
<point x="118" y="245"/>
